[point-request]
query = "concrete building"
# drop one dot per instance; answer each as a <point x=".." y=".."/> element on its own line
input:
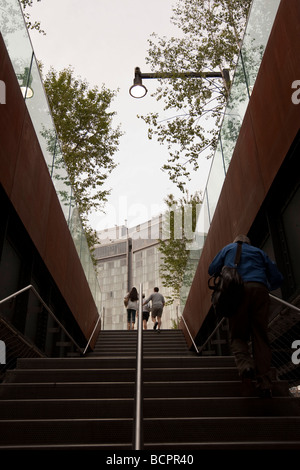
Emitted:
<point x="128" y="257"/>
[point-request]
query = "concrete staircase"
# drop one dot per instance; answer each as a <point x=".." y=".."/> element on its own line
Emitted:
<point x="190" y="402"/>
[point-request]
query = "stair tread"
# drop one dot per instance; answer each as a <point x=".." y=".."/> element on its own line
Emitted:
<point x="189" y="400"/>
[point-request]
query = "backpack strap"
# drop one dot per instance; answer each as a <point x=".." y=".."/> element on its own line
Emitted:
<point x="238" y="253"/>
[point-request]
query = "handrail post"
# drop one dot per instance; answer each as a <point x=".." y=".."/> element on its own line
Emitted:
<point x="138" y="412"/>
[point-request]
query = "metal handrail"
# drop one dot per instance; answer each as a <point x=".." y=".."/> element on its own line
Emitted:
<point x="138" y="412"/>
<point x="12" y="296"/>
<point x="190" y="335"/>
<point x="90" y="339"/>
<point x="212" y="334"/>
<point x="283" y="302"/>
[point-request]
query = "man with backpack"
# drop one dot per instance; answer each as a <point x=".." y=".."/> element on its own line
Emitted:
<point x="260" y="275"/>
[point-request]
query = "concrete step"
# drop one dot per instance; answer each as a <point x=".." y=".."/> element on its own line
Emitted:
<point x="222" y="429"/>
<point x="120" y="374"/>
<point x="126" y="389"/>
<point x="66" y="408"/>
<point x="92" y="362"/>
<point x="190" y="401"/>
<point x="65" y="431"/>
<point x="132" y="352"/>
<point x="18" y="409"/>
<point x="124" y="342"/>
<point x="10" y="391"/>
<point x="156" y="430"/>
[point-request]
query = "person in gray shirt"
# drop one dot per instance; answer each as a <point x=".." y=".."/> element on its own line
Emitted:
<point x="158" y="303"/>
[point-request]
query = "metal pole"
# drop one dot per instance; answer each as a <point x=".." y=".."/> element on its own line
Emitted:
<point x="197" y="351"/>
<point x="12" y="296"/>
<point x="138" y="431"/>
<point x="293" y="307"/>
<point x="212" y="334"/>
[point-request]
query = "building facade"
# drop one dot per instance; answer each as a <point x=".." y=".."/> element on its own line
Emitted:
<point x="127" y="258"/>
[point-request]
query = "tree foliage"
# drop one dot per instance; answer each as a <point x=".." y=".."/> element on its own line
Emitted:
<point x="179" y="228"/>
<point x="30" y="24"/>
<point x="211" y="34"/>
<point x="88" y="138"/>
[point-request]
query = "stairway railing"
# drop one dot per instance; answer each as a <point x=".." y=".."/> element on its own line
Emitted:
<point x="30" y="287"/>
<point x="211" y="335"/>
<point x="138" y="403"/>
<point x="283" y="331"/>
<point x="283" y="302"/>
<point x="190" y="335"/>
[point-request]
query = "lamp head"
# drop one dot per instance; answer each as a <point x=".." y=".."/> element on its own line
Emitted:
<point x="25" y="80"/>
<point x="137" y="90"/>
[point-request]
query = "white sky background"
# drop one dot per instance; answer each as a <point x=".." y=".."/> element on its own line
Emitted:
<point x="104" y="40"/>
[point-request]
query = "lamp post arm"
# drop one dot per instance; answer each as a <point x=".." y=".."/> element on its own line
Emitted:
<point x="138" y="76"/>
<point x="182" y="75"/>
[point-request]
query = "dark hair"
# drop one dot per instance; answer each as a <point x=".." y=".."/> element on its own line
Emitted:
<point x="133" y="294"/>
<point x="156" y="289"/>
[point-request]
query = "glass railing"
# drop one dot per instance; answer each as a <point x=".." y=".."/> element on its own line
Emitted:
<point x="18" y="44"/>
<point x="259" y="25"/>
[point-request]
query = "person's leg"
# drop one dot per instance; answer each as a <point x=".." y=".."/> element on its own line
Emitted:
<point x="153" y="316"/>
<point x="128" y="318"/>
<point x="133" y="313"/>
<point x="145" y="319"/>
<point x="261" y="346"/>
<point x="240" y="335"/>
<point x="243" y="360"/>
<point x="158" y="316"/>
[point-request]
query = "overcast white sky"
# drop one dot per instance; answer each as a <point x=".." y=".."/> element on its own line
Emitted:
<point x="104" y="40"/>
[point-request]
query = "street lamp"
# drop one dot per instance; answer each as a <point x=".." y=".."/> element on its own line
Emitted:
<point x="138" y="90"/>
<point x="25" y="80"/>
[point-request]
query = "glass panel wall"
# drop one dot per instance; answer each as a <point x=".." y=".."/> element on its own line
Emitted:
<point x="259" y="25"/>
<point x="17" y="41"/>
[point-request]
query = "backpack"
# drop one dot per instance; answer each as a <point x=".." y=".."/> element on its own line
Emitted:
<point x="227" y="288"/>
<point x="126" y="300"/>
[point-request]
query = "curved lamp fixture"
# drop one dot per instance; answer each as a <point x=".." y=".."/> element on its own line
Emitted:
<point x="137" y="90"/>
<point x="25" y="80"/>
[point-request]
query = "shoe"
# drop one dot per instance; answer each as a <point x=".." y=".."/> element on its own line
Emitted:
<point x="158" y="331"/>
<point x="265" y="393"/>
<point x="155" y="325"/>
<point x="248" y="374"/>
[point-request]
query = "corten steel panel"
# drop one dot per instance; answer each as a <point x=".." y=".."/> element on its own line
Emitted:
<point x="277" y="123"/>
<point x="11" y="119"/>
<point x="26" y="180"/>
<point x="74" y="283"/>
<point x="268" y="130"/>
<point x="31" y="191"/>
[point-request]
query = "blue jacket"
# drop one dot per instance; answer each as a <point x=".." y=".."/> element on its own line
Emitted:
<point x="254" y="266"/>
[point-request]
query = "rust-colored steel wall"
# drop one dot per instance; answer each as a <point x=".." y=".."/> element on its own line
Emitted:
<point x="268" y="130"/>
<point x="25" y="178"/>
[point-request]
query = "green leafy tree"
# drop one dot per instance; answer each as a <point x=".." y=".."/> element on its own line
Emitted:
<point x="88" y="138"/>
<point x="179" y="228"/>
<point x="211" y="34"/>
<point x="31" y="24"/>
